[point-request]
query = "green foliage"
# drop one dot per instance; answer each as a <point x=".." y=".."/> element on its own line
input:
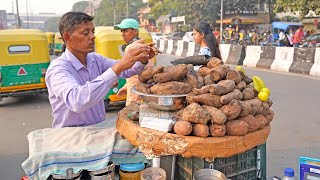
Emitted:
<point x="303" y="6"/>
<point x="80" y="6"/>
<point x="193" y="10"/>
<point x="52" y="24"/>
<point x="114" y="11"/>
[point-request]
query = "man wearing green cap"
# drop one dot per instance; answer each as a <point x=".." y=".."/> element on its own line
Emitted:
<point x="130" y="33"/>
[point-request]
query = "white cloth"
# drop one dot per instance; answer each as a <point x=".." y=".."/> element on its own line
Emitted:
<point x="54" y="150"/>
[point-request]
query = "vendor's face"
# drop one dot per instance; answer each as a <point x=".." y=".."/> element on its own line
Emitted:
<point x="82" y="38"/>
<point x="129" y="34"/>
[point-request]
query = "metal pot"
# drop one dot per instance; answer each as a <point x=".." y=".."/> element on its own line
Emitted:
<point x="209" y="174"/>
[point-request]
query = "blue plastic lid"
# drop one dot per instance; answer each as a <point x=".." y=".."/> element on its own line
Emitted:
<point x="289" y="172"/>
<point x="132" y="167"/>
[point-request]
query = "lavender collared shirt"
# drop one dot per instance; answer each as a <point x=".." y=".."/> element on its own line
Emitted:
<point x="76" y="92"/>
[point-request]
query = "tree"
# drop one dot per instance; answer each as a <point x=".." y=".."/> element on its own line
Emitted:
<point x="80" y="6"/>
<point x="302" y="6"/>
<point x="113" y="12"/>
<point x="193" y="10"/>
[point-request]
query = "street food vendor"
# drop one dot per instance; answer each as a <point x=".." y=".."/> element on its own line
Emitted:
<point x="79" y="79"/>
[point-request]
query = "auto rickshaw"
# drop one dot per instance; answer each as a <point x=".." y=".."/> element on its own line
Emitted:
<point x="24" y="61"/>
<point x="58" y="43"/>
<point x="108" y="42"/>
<point x="50" y="37"/>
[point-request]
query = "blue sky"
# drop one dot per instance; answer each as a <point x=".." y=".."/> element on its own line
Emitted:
<point x="38" y="6"/>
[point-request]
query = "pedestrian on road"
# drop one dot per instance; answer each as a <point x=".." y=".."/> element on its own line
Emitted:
<point x="202" y="34"/>
<point x="130" y="33"/>
<point x="79" y="79"/>
<point x="298" y="37"/>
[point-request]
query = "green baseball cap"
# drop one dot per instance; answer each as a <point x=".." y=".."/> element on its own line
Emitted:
<point x="127" y="23"/>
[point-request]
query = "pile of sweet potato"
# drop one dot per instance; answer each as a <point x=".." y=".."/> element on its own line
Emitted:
<point x="221" y="101"/>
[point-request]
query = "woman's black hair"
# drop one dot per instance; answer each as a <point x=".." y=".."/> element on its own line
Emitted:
<point x="212" y="43"/>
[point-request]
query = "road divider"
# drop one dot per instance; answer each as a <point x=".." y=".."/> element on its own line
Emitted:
<point x="284" y="59"/>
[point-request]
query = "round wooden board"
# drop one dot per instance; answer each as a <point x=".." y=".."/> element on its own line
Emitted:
<point x="156" y="143"/>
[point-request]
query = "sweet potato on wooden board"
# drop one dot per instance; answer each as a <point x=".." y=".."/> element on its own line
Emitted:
<point x="149" y="72"/>
<point x="217" y="130"/>
<point x="183" y="128"/>
<point x="203" y="70"/>
<point x="205" y="99"/>
<point x="245" y="78"/>
<point x="252" y="122"/>
<point x="219" y="72"/>
<point x="200" y="130"/>
<point x="234" y="75"/>
<point x="245" y="108"/>
<point x="192" y="77"/>
<point x="175" y="73"/>
<point x="269" y="116"/>
<point x="200" y="80"/>
<point x="241" y="85"/>
<point x="214" y="62"/>
<point x="232" y="110"/>
<point x="261" y="120"/>
<point x="172" y="87"/>
<point x="256" y="106"/>
<point x="202" y="90"/>
<point x="141" y="87"/>
<point x="207" y="80"/>
<point x="223" y="87"/>
<point x="235" y="94"/>
<point x="237" y="128"/>
<point x="217" y="116"/>
<point x="194" y="113"/>
<point x="248" y="94"/>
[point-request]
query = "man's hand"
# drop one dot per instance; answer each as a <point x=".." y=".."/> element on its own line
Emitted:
<point x="122" y="91"/>
<point x="137" y="51"/>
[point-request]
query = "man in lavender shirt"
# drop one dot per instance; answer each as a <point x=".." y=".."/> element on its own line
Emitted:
<point x="79" y="79"/>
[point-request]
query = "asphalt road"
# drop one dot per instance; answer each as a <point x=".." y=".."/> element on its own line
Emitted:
<point x="295" y="129"/>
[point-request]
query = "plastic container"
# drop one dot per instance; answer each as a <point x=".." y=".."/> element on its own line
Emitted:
<point x="249" y="165"/>
<point x="288" y="174"/>
<point x="131" y="171"/>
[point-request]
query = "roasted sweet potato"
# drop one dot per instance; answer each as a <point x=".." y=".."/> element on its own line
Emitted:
<point x="200" y="130"/>
<point x="237" y="128"/>
<point x="149" y="72"/>
<point x="214" y="62"/>
<point x="235" y="94"/>
<point x="169" y="88"/>
<point x="194" y="113"/>
<point x="248" y="94"/>
<point x="217" y="130"/>
<point x="175" y="73"/>
<point x="217" y="116"/>
<point x="232" y="110"/>
<point x="218" y="73"/>
<point x="192" y="77"/>
<point x="205" y="99"/>
<point x="261" y="120"/>
<point x="252" y="122"/>
<point x="183" y="128"/>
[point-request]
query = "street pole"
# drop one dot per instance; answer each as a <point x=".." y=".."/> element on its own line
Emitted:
<point x="221" y="21"/>
<point x="19" y="23"/>
<point x="127" y="9"/>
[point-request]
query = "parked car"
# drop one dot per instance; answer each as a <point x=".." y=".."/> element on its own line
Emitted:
<point x="156" y="36"/>
<point x="188" y="36"/>
<point x="175" y="36"/>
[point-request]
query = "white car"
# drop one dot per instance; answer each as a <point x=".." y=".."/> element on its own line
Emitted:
<point x="156" y="36"/>
<point x="188" y="36"/>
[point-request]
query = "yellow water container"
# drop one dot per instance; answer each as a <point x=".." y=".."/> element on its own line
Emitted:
<point x="131" y="171"/>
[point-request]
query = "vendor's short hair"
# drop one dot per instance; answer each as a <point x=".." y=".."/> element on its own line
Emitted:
<point x="70" y="20"/>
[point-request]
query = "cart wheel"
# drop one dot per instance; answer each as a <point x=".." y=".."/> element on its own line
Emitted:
<point x="106" y="104"/>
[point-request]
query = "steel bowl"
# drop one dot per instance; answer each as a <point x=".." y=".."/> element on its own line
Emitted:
<point x="209" y="174"/>
<point x="163" y="102"/>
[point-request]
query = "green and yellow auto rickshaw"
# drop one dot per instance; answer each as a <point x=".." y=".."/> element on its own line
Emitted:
<point x="108" y="42"/>
<point x="50" y="37"/>
<point x="58" y="43"/>
<point x="24" y="59"/>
